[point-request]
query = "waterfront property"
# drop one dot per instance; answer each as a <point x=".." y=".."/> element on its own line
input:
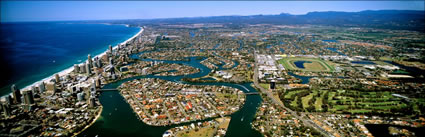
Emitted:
<point x="159" y="102"/>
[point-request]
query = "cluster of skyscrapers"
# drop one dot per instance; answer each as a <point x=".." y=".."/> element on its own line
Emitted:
<point x="26" y="99"/>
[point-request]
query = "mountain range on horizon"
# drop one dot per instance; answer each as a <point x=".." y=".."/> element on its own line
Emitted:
<point x="383" y="19"/>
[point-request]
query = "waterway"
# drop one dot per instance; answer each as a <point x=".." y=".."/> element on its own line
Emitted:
<point x="330" y="40"/>
<point x="363" y="62"/>
<point x="304" y="79"/>
<point x="336" y="51"/>
<point x="118" y="119"/>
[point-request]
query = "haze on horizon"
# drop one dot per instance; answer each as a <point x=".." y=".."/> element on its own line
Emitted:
<point x="23" y="11"/>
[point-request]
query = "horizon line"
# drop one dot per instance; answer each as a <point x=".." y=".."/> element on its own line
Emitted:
<point x="195" y="16"/>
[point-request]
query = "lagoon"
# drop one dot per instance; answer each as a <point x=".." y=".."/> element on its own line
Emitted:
<point x="300" y="64"/>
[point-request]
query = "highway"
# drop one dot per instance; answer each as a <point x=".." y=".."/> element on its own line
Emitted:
<point x="306" y="122"/>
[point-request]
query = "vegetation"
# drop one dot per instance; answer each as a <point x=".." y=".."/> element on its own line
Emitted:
<point x="350" y="102"/>
<point x="199" y="132"/>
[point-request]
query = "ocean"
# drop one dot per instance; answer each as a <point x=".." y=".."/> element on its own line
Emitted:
<point x="32" y="51"/>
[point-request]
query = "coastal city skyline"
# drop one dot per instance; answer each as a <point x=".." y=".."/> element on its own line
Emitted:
<point x="212" y="69"/>
<point x="27" y="11"/>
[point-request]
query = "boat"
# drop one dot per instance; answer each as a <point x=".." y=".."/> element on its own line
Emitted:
<point x="242" y="118"/>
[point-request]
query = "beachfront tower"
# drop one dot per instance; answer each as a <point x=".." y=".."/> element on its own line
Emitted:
<point x="83" y="68"/>
<point x="33" y="89"/>
<point x="76" y="68"/>
<point x="16" y="94"/>
<point x="57" y="78"/>
<point x="28" y="97"/>
<point x="99" y="63"/>
<point x="89" y="59"/>
<point x="88" y="69"/>
<point x="110" y="48"/>
<point x="8" y="99"/>
<point x="41" y="87"/>
<point x="51" y="87"/>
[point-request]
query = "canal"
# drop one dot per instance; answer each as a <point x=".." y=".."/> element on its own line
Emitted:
<point x="118" y="119"/>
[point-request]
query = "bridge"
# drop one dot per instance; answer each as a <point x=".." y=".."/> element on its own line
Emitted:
<point x="107" y="89"/>
<point x="252" y="93"/>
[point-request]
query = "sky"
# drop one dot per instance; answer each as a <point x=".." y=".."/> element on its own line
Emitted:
<point x="17" y="11"/>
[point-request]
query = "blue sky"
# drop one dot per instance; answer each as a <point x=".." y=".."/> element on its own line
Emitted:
<point x="97" y="10"/>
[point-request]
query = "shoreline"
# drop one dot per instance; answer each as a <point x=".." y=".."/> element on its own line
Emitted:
<point x="91" y="123"/>
<point x="70" y="69"/>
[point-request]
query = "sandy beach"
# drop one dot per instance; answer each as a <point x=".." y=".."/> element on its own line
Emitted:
<point x="68" y="70"/>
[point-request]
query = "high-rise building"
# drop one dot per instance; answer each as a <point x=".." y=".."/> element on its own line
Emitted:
<point x="57" y="78"/>
<point x="96" y="71"/>
<point x="83" y="68"/>
<point x="90" y="62"/>
<point x="92" y="102"/>
<point x="33" y="89"/>
<point x="99" y="63"/>
<point x="93" y="87"/>
<point x="41" y="87"/>
<point x="272" y="84"/>
<point x="98" y="82"/>
<point x="28" y="97"/>
<point x="8" y="100"/>
<point x="94" y="64"/>
<point x="88" y="69"/>
<point x="76" y="68"/>
<point x="110" y="48"/>
<point x="6" y="109"/>
<point x="23" y="100"/>
<point x="51" y="87"/>
<point x="16" y="94"/>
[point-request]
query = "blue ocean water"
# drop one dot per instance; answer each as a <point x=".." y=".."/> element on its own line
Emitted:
<point x="32" y="51"/>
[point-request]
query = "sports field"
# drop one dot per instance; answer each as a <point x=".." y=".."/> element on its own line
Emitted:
<point x="311" y="64"/>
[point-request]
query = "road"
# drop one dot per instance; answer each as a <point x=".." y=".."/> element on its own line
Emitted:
<point x="306" y="122"/>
